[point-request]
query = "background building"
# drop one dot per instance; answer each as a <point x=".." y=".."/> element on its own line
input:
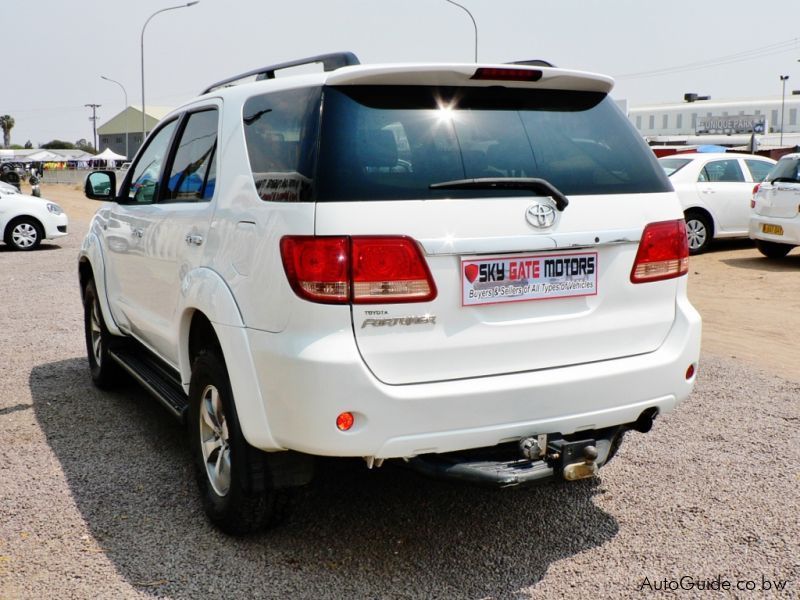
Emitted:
<point x="726" y="123"/>
<point x="112" y="133"/>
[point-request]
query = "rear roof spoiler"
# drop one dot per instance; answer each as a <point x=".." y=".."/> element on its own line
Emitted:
<point x="330" y="62"/>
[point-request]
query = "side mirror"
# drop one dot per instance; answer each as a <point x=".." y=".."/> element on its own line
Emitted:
<point x="101" y="185"/>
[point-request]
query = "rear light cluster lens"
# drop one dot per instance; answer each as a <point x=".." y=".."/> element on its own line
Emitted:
<point x="755" y="191"/>
<point x="501" y="74"/>
<point x="663" y="252"/>
<point x="361" y="269"/>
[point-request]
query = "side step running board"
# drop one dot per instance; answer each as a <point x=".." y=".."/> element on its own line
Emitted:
<point x="158" y="379"/>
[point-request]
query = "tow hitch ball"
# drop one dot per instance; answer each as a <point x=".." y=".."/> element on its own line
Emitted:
<point x="575" y="460"/>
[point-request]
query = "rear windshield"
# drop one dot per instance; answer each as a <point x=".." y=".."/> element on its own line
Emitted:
<point x="673" y="165"/>
<point x="393" y="142"/>
<point x="787" y="169"/>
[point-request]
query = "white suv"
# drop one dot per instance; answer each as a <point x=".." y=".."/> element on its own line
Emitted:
<point x="400" y="261"/>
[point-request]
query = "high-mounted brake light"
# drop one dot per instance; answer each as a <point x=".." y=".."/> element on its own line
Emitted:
<point x="503" y="74"/>
<point x="663" y="252"/>
<point x="360" y="269"/>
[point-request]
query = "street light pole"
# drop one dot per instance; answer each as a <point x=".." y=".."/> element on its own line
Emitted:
<point x="474" y="24"/>
<point x="144" y="128"/>
<point x="127" y="156"/>
<point x="783" y="102"/>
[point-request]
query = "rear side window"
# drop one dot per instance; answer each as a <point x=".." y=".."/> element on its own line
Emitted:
<point x="721" y="171"/>
<point x="193" y="174"/>
<point x="280" y="130"/>
<point x="393" y="142"/>
<point x="759" y="169"/>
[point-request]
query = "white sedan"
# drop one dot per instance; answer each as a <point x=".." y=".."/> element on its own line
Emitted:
<point x="715" y="190"/>
<point x="25" y="221"/>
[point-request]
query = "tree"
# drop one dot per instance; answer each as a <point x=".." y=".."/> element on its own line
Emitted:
<point x="58" y="145"/>
<point x="82" y="144"/>
<point x="28" y="145"/>
<point x="7" y="124"/>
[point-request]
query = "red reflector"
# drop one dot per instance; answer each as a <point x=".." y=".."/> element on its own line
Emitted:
<point x="345" y="421"/>
<point x="503" y="74"/>
<point x="362" y="269"/>
<point x="689" y="372"/>
<point x="663" y="252"/>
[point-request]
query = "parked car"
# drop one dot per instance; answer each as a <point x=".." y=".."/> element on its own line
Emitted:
<point x="775" y="216"/>
<point x="7" y="188"/>
<point x="715" y="190"/>
<point x="477" y="270"/>
<point x="25" y="221"/>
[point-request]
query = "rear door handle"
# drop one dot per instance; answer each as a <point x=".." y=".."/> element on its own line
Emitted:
<point x="194" y="239"/>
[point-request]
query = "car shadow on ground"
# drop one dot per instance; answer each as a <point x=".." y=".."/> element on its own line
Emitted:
<point x="44" y="247"/>
<point x="760" y="263"/>
<point x="354" y="533"/>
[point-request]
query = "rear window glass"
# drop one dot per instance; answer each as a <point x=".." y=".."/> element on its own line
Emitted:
<point x="787" y="169"/>
<point x="759" y="169"/>
<point x="673" y="165"/>
<point x="393" y="142"/>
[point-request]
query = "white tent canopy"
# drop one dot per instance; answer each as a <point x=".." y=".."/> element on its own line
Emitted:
<point x="108" y="154"/>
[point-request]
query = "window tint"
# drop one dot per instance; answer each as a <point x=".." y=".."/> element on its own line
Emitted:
<point x="758" y="168"/>
<point x="191" y="172"/>
<point x="392" y="142"/>
<point x="787" y="169"/>
<point x="143" y="188"/>
<point x="281" y="134"/>
<point x="722" y="171"/>
<point x="673" y="165"/>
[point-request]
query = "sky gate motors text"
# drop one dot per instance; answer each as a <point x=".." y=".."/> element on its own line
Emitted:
<point x="536" y="268"/>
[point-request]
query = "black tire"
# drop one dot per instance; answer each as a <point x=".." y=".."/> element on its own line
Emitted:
<point x="699" y="231"/>
<point x="106" y="373"/>
<point x="240" y="499"/>
<point x="773" y="249"/>
<point x="24" y="233"/>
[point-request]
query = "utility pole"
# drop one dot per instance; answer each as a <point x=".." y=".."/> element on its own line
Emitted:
<point x="93" y="119"/>
<point x="783" y="102"/>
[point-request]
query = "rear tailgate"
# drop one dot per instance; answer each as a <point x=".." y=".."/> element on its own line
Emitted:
<point x="610" y="319"/>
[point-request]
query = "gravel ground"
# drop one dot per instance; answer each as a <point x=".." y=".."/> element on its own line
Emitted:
<point x="97" y="497"/>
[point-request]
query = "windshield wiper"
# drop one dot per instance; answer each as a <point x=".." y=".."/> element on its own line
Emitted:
<point x="784" y="179"/>
<point x="533" y="184"/>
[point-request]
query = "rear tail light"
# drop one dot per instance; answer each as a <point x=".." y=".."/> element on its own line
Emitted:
<point x="361" y="269"/>
<point x="663" y="252"/>
<point x="504" y="74"/>
<point x="755" y="191"/>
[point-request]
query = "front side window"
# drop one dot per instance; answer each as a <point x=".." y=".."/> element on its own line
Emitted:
<point x="143" y="188"/>
<point x="722" y="171"/>
<point x="281" y="134"/>
<point x="193" y="174"/>
<point x="393" y="142"/>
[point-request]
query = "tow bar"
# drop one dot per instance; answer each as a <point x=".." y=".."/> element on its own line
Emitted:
<point x="530" y="460"/>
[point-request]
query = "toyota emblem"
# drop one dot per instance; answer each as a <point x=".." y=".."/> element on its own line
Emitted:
<point x="542" y="214"/>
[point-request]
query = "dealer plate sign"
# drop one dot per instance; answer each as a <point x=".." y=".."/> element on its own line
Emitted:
<point x="533" y="277"/>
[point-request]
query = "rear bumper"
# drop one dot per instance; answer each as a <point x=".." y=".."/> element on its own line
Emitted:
<point x="791" y="229"/>
<point x="305" y="387"/>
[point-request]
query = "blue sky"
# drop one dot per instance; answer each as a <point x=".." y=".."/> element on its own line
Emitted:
<point x="60" y="49"/>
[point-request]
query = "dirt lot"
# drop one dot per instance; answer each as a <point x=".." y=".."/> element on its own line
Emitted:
<point x="750" y="305"/>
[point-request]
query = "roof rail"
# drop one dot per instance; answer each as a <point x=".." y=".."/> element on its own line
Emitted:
<point x="330" y="62"/>
<point x="536" y="62"/>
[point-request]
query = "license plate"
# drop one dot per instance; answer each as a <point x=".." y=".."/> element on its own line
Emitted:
<point x="773" y="229"/>
<point x="533" y="277"/>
